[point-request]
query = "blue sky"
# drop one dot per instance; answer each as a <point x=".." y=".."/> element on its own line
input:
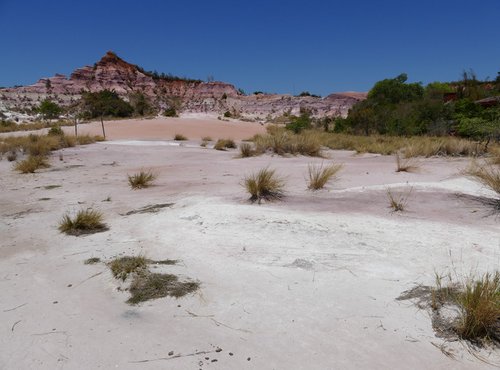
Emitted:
<point x="273" y="46"/>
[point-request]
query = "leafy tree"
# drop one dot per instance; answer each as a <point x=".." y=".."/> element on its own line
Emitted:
<point x="105" y="103"/>
<point x="141" y="104"/>
<point x="49" y="110"/>
<point x="396" y="90"/>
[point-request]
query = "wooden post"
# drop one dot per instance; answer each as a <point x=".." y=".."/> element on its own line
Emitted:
<point x="76" y="128"/>
<point x="103" y="132"/>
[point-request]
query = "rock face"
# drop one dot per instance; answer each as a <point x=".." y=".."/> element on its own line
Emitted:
<point x="113" y="73"/>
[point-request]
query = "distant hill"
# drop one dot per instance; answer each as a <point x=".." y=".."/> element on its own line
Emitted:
<point x="164" y="91"/>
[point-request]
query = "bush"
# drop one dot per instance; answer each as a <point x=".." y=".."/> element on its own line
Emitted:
<point x="398" y="202"/>
<point x="31" y="164"/>
<point x="223" y="144"/>
<point x="227" y="114"/>
<point x="56" y="131"/>
<point x="180" y="137"/>
<point x="141" y="180"/>
<point x="86" y="221"/>
<point x="300" y="123"/>
<point x="170" y="112"/>
<point x="264" y="184"/>
<point x="319" y="175"/>
<point x="153" y="285"/>
<point x="105" y="103"/>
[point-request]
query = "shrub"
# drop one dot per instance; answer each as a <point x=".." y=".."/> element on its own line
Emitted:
<point x="180" y="137"/>
<point x="86" y="221"/>
<point x="141" y="180"/>
<point x="227" y="114"/>
<point x="123" y="266"/>
<point x="12" y="156"/>
<point x="264" y="184"/>
<point x="31" y="164"/>
<point x="92" y="261"/>
<point x="170" y="112"/>
<point x="56" y="131"/>
<point x="223" y="144"/>
<point x="319" y="175"/>
<point x="206" y="138"/>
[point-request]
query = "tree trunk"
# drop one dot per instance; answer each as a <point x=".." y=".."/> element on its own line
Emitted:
<point x="76" y="128"/>
<point x="103" y="132"/>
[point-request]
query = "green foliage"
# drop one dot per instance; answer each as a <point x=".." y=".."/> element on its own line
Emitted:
<point x="105" y="103"/>
<point x="307" y="93"/>
<point x="170" y="112"/>
<point x="396" y="90"/>
<point x="56" y="131"/>
<point x="300" y="123"/>
<point x="141" y="104"/>
<point x="49" y="110"/>
<point x="227" y="114"/>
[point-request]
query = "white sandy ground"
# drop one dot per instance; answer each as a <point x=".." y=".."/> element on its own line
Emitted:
<point x="308" y="283"/>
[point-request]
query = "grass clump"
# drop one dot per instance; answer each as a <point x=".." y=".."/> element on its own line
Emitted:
<point x="398" y="202"/>
<point x="153" y="285"/>
<point x="488" y="175"/>
<point x="92" y="261"/>
<point x="319" y="175"/>
<point x="405" y="164"/>
<point x="264" y="184"/>
<point x="223" y="144"/>
<point x="247" y="150"/>
<point x="206" y="138"/>
<point x="122" y="267"/>
<point x="86" y="221"/>
<point x="281" y="141"/>
<point x="141" y="180"/>
<point x="479" y="303"/>
<point x="180" y="137"/>
<point x="31" y="164"/>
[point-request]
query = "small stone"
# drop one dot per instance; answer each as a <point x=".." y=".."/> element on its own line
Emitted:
<point x="218" y="350"/>
<point x="171" y="353"/>
<point x="248" y="359"/>
<point x="70" y="285"/>
<point x="230" y="353"/>
<point x="214" y="360"/>
<point x="207" y="358"/>
<point x="55" y="302"/>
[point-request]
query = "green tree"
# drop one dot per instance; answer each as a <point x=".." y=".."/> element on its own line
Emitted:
<point x="396" y="90"/>
<point x="105" y="103"/>
<point x="49" y="110"/>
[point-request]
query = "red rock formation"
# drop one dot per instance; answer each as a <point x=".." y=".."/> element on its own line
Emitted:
<point x="113" y="73"/>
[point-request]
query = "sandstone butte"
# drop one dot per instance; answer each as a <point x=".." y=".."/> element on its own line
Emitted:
<point x="114" y="73"/>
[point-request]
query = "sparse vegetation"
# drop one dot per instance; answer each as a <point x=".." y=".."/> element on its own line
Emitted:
<point x="247" y="150"/>
<point x="56" y="131"/>
<point x="319" y="175"/>
<point x="180" y="137"/>
<point x="141" y="180"/>
<point x="153" y="285"/>
<point x="87" y="221"/>
<point x="404" y="164"/>
<point x="264" y="184"/>
<point x="282" y="142"/>
<point x="122" y="267"/>
<point x="12" y="156"/>
<point x="223" y="144"/>
<point x="475" y="303"/>
<point x="31" y="164"/>
<point x="206" y="138"/>
<point x="398" y="202"/>
<point x="92" y="261"/>
<point x="488" y="175"/>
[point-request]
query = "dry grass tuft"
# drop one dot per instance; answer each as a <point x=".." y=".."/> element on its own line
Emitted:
<point x="398" y="202"/>
<point x="86" y="221"/>
<point x="153" y="285"/>
<point x="247" y="150"/>
<point x="141" y="180"/>
<point x="405" y="164"/>
<point x="282" y="142"/>
<point x="479" y="303"/>
<point x="122" y="267"/>
<point x="31" y="164"/>
<point x="264" y="184"/>
<point x="319" y="175"/>
<point x="180" y="137"/>
<point x="488" y="175"/>
<point x="92" y="261"/>
<point x="223" y="144"/>
<point x="206" y="138"/>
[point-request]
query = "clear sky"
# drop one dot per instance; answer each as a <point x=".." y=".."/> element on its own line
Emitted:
<point x="273" y="46"/>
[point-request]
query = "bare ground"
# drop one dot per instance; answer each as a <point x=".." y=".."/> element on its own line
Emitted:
<point x="310" y="282"/>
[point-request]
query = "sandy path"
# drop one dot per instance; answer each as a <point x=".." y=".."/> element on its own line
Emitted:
<point x="306" y="283"/>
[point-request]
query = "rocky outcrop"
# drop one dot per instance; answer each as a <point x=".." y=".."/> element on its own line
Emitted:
<point x="113" y="73"/>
